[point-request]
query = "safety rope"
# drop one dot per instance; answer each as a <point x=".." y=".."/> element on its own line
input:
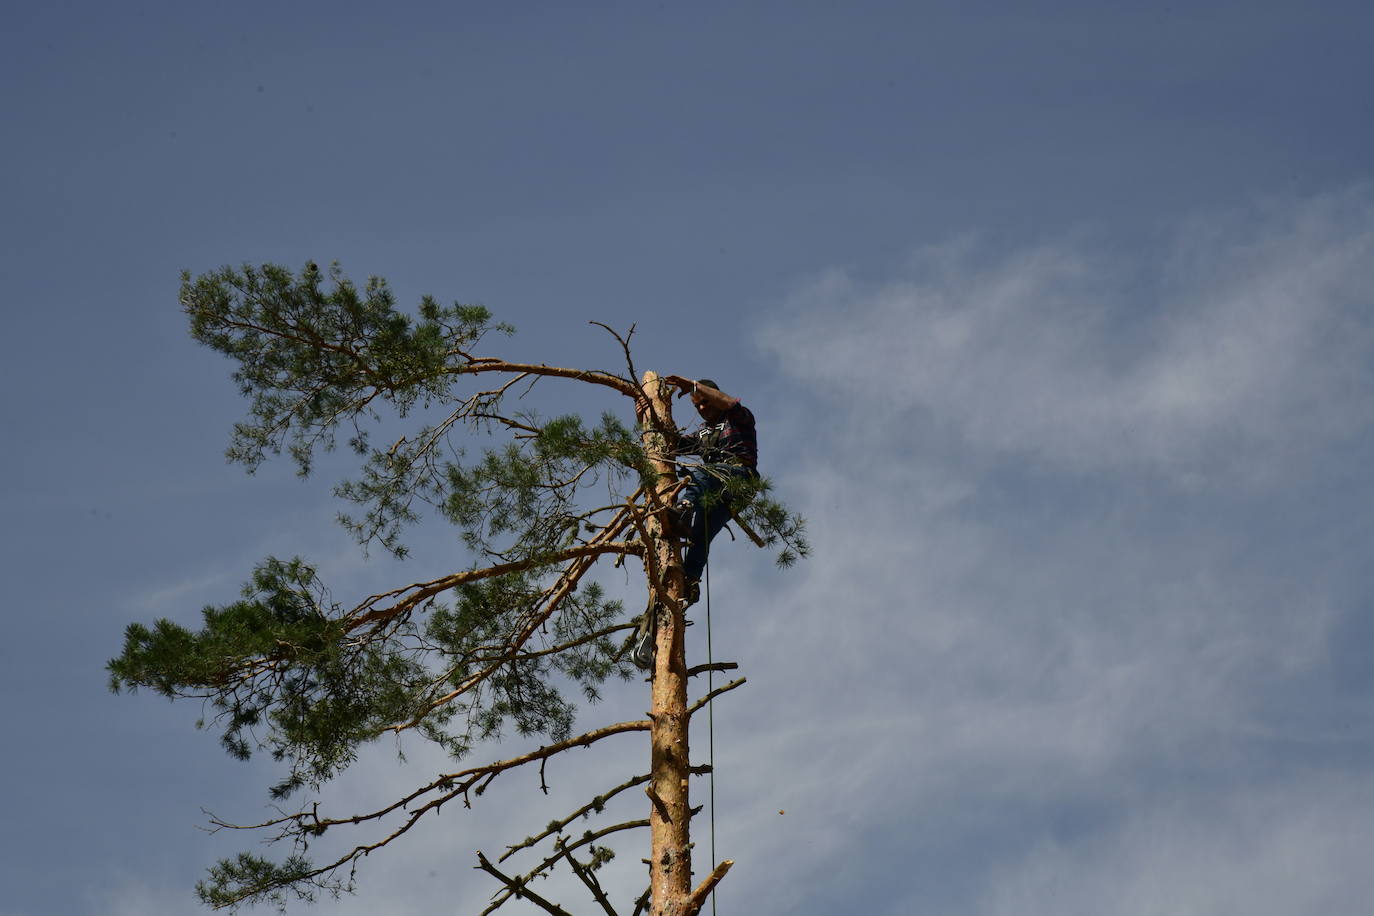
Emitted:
<point x="723" y="478"/>
<point x="710" y="718"/>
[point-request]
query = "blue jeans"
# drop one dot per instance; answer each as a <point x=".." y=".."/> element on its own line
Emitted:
<point x="705" y="485"/>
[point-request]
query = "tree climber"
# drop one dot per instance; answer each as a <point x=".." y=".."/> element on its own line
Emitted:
<point x="728" y="446"/>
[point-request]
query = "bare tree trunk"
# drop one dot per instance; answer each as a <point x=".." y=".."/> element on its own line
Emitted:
<point x="669" y="820"/>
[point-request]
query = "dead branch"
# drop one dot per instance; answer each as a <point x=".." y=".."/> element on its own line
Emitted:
<point x="715" y="666"/>
<point x="713" y="694"/>
<point x="593" y="885"/>
<point x="659" y="805"/>
<point x="624" y="344"/>
<point x="551" y="599"/>
<point x="642" y="403"/>
<point x="556" y="826"/>
<point x="517" y="888"/>
<point x="451" y="786"/>
<point x="752" y="534"/>
<point x="366" y="613"/>
<point x="566" y="849"/>
<point x="704" y="889"/>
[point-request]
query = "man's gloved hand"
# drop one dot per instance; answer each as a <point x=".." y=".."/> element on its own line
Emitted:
<point x="683" y="385"/>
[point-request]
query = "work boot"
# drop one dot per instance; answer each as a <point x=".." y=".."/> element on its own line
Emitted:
<point x="692" y="593"/>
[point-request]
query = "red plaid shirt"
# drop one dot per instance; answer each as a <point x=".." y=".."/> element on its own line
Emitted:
<point x="730" y="440"/>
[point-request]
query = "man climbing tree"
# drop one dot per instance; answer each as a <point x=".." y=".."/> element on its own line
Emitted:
<point x="458" y="658"/>
<point x="723" y="479"/>
<point x="728" y="447"/>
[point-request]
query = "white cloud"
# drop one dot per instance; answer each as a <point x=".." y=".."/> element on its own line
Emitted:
<point x="1267" y="851"/>
<point x="1248" y="348"/>
<point x="177" y="595"/>
<point x="134" y="896"/>
<point x="1022" y="589"/>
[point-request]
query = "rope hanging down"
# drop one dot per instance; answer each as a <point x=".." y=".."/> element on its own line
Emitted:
<point x="710" y="717"/>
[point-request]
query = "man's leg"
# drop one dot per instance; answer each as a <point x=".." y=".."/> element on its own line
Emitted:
<point x="695" y="485"/>
<point x="712" y="512"/>
<point x="701" y="485"/>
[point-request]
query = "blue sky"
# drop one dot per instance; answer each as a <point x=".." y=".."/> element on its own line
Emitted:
<point x="1056" y="318"/>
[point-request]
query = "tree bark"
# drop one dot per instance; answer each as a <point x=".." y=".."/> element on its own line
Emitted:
<point x="670" y="816"/>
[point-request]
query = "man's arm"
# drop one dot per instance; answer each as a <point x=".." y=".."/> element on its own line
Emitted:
<point x="713" y="397"/>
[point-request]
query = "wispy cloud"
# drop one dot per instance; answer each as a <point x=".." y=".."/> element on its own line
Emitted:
<point x="1049" y="573"/>
<point x="1244" y="347"/>
<point x="1269" y="851"/>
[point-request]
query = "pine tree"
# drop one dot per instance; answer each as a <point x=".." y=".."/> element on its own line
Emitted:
<point x="465" y="657"/>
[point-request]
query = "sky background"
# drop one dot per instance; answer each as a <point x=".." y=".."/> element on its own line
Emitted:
<point x="1057" y="319"/>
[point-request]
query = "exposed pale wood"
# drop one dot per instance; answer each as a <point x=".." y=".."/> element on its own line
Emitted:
<point x="698" y="897"/>
<point x="750" y="532"/>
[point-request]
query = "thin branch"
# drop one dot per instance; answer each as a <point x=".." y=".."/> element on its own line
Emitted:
<point x="509" y="423"/>
<point x="594" y="805"/>
<point x="504" y="655"/>
<point x="366" y="614"/>
<point x="624" y="345"/>
<point x="551" y="598"/>
<point x="517" y="888"/>
<point x="492" y="364"/>
<point x="593" y="885"/>
<point x="713" y="694"/>
<point x="566" y="849"/>
<point x="554" y="650"/>
<point x="452" y="786"/>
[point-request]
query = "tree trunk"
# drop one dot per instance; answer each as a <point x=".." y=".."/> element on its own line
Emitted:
<point x="670" y="814"/>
